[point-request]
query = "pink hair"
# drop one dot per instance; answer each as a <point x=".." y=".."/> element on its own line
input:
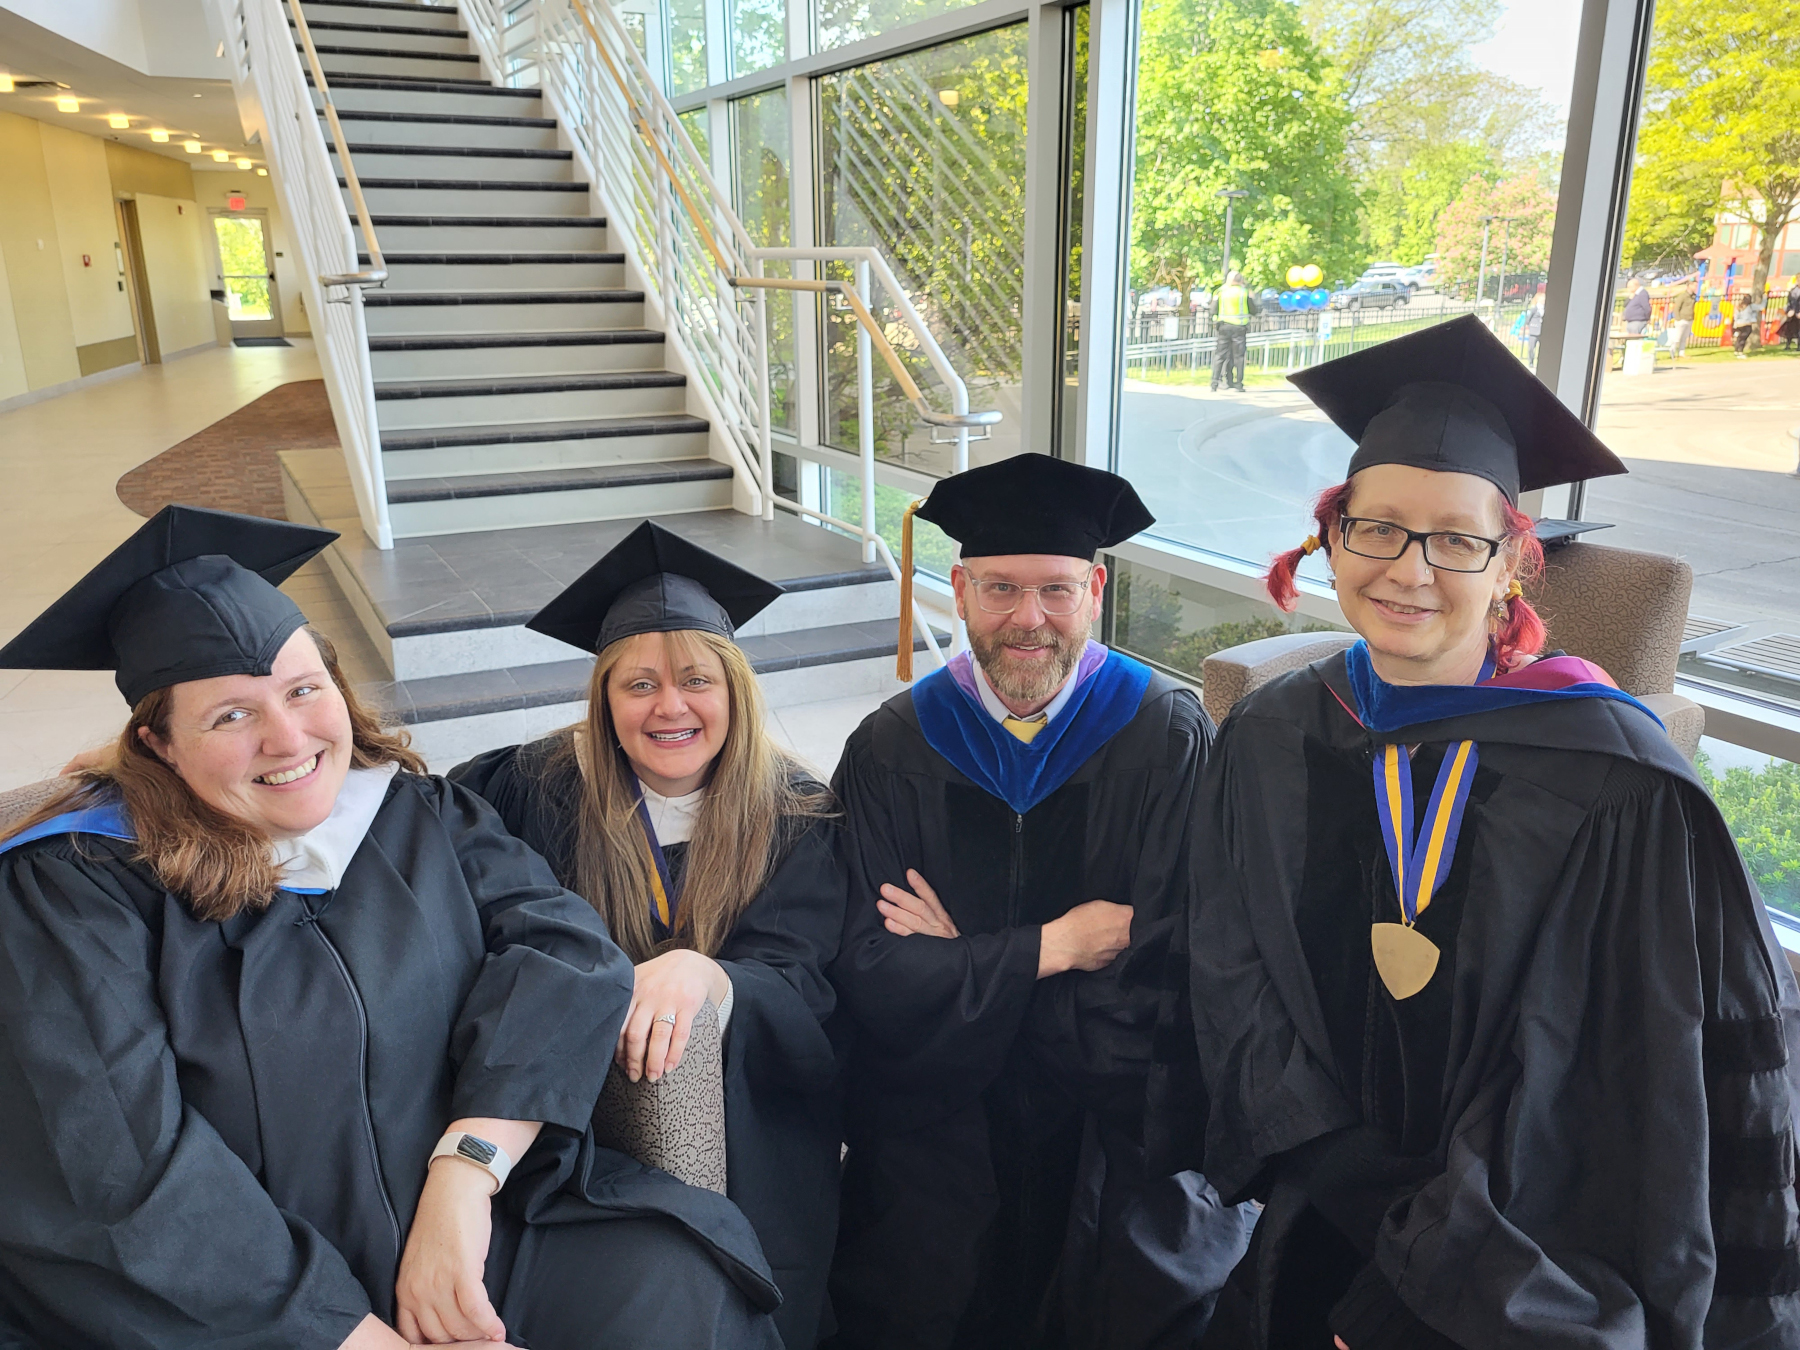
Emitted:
<point x="1521" y="632"/>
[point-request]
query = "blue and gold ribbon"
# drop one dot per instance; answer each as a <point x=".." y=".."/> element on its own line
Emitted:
<point x="1420" y="866"/>
<point x="664" y="898"/>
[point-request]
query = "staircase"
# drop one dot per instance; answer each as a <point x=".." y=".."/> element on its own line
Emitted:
<point x="527" y="418"/>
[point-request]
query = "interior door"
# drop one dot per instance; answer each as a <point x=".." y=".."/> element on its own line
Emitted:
<point x="247" y="273"/>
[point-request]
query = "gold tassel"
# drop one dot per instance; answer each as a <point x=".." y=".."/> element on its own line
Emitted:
<point x="903" y="663"/>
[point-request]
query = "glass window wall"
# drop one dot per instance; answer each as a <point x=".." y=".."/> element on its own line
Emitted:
<point x="1368" y="167"/>
<point x="762" y="154"/>
<point x="840" y="21"/>
<point x="1176" y="623"/>
<point x="923" y="157"/>
<point x="685" y="45"/>
<point x="758" y="35"/>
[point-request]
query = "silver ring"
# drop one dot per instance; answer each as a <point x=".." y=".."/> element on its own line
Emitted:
<point x="665" y="1017"/>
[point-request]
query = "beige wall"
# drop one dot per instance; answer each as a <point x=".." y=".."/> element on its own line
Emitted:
<point x="32" y="255"/>
<point x="259" y="195"/>
<point x="12" y="355"/>
<point x="133" y="171"/>
<point x="178" y="260"/>
<point x="87" y="233"/>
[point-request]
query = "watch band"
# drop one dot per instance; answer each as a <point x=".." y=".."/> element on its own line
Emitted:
<point x="470" y="1148"/>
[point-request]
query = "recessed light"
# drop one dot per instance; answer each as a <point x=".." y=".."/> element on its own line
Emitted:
<point x="221" y="155"/>
<point x="192" y="147"/>
<point x="199" y="96"/>
<point x="243" y="164"/>
<point x="67" y="103"/>
<point x="160" y="136"/>
<point x="118" y="121"/>
<point x="6" y="84"/>
<point x="262" y="173"/>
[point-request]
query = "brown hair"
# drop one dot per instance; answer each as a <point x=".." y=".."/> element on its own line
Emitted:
<point x="218" y="864"/>
<point x="757" y="791"/>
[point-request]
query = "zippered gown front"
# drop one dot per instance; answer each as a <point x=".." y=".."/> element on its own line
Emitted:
<point x="216" y="1134"/>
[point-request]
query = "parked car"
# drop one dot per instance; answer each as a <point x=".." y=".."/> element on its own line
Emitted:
<point x="1420" y="278"/>
<point x="1367" y="294"/>
<point x="1381" y="271"/>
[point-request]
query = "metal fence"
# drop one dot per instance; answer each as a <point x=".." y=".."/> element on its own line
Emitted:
<point x="1713" y="314"/>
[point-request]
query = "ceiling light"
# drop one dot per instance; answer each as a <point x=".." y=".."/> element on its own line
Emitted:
<point x="67" y="103"/>
<point x="6" y="84"/>
<point x="243" y="163"/>
<point x="221" y="155"/>
<point x="118" y="121"/>
<point x="192" y="147"/>
<point x="262" y="173"/>
<point x="160" y="136"/>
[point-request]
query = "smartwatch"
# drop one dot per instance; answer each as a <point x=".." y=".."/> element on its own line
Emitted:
<point x="473" y="1149"/>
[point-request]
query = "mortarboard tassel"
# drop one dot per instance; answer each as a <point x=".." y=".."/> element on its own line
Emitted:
<point x="903" y="664"/>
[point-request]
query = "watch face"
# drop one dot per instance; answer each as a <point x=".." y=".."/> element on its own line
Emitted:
<point x="476" y="1150"/>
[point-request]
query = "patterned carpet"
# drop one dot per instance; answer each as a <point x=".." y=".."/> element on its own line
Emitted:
<point x="231" y="466"/>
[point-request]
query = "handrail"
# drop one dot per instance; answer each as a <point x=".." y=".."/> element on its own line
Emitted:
<point x="376" y="274"/>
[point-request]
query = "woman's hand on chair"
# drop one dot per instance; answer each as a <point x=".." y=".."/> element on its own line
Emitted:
<point x="669" y="993"/>
<point x="440" y="1294"/>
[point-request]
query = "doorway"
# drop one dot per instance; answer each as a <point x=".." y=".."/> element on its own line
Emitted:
<point x="246" y="274"/>
<point x="137" y="283"/>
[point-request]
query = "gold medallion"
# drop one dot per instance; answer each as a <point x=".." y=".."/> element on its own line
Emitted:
<point x="1404" y="958"/>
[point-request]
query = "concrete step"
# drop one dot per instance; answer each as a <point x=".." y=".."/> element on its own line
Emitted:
<point x="381" y="11"/>
<point x="337" y="59"/>
<point x="498" y="355"/>
<point x="494" y="164"/>
<point x="362" y="93"/>
<point x="449" y="129"/>
<point x="472" y="502"/>
<point x="448" y="405"/>
<point x="587" y="444"/>
<point x="465" y="233"/>
<point x="444" y="196"/>
<point x="383" y="36"/>
<point x="511" y="312"/>
<point x="457" y="603"/>
<point x="503" y="271"/>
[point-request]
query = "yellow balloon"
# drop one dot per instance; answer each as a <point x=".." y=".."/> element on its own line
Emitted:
<point x="1313" y="274"/>
<point x="1296" y="275"/>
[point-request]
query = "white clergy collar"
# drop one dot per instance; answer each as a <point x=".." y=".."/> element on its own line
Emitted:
<point x="673" y="818"/>
<point x="318" y="859"/>
<point x="1000" y="712"/>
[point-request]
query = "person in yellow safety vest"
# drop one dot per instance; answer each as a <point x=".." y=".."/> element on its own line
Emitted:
<point x="1232" y="309"/>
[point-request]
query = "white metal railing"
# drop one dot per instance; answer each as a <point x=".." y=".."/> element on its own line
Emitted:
<point x="703" y="270"/>
<point x="271" y="87"/>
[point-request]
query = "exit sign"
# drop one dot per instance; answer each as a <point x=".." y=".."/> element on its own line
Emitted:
<point x="235" y="203"/>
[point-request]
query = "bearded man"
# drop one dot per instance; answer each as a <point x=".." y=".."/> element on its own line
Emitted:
<point x="1016" y="828"/>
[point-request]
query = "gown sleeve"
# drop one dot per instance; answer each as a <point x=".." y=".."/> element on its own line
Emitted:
<point x="124" y="1208"/>
<point x="939" y="1013"/>
<point x="537" y="1030"/>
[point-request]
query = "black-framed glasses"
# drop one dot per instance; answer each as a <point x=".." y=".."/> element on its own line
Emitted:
<point x="1055" y="597"/>
<point x="1450" y="550"/>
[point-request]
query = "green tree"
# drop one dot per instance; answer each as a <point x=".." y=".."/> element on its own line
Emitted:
<point x="1525" y="240"/>
<point x="1234" y="94"/>
<point x="1719" y="124"/>
<point x="1762" y="808"/>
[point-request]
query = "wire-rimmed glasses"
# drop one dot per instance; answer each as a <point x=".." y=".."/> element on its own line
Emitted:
<point x="1053" y="597"/>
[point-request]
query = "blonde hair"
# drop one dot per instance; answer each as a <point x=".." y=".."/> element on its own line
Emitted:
<point x="756" y="793"/>
<point x="220" y="865"/>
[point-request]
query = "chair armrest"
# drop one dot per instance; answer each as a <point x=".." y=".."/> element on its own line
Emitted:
<point x="678" y="1122"/>
<point x="1227" y="676"/>
<point x="1685" y="719"/>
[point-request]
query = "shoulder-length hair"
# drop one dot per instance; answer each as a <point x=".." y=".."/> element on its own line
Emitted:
<point x="756" y="794"/>
<point x="218" y="864"/>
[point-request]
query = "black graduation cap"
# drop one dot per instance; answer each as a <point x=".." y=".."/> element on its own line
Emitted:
<point x="653" y="581"/>
<point x="1032" y="503"/>
<point x="190" y="596"/>
<point x="1451" y="397"/>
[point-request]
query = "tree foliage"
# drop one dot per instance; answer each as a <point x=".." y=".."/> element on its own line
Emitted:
<point x="1524" y="241"/>
<point x="1234" y="94"/>
<point x="1762" y="808"/>
<point x="1719" y="125"/>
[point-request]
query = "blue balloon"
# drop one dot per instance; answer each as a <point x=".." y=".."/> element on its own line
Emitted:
<point x="1289" y="301"/>
<point x="1321" y="298"/>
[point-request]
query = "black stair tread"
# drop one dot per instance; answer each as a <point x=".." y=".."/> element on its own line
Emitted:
<point x="463" y="151"/>
<point x="465" y="119"/>
<point x="528" y="384"/>
<point x="329" y="49"/>
<point x="418" y="84"/>
<point x="467" y="184"/>
<point x="475" y="486"/>
<point x="339" y="26"/>
<point x="488" y="222"/>
<point x="528" y="433"/>
<point x="388" y="299"/>
<point x="448" y="583"/>
<point x="376" y="4"/>
<point x="441" y="697"/>
<point x="604" y="337"/>
<point x="487" y="259"/>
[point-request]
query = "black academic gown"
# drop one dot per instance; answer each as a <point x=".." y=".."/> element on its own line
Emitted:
<point x="996" y="1192"/>
<point x="1579" y="1134"/>
<point x="216" y="1134"/>
<point x="782" y="1128"/>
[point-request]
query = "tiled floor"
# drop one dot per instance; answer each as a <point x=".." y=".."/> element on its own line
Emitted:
<point x="60" y="462"/>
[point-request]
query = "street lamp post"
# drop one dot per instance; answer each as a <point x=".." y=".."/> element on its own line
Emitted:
<point x="1500" y="290"/>
<point x="1481" y="283"/>
<point x="1231" y="196"/>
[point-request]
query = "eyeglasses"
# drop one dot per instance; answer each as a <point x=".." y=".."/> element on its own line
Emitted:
<point x="1056" y="597"/>
<point x="1446" y="549"/>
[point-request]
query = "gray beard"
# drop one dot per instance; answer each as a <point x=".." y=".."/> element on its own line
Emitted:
<point x="1029" y="682"/>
